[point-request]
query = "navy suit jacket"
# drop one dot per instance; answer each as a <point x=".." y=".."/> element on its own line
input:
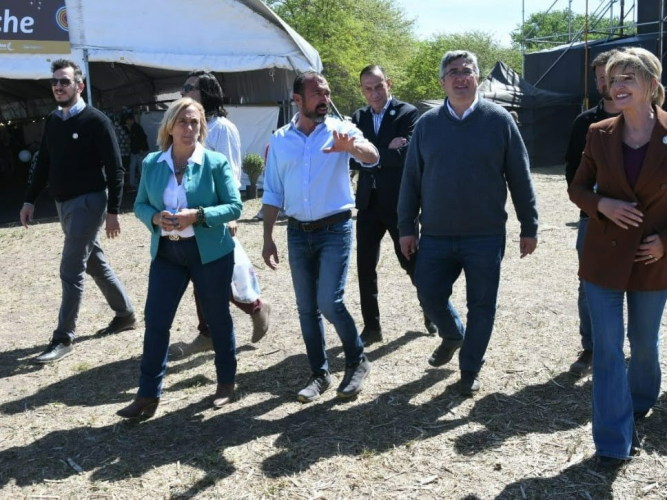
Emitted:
<point x="398" y="121"/>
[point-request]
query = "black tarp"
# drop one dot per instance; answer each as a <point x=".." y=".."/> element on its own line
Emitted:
<point x="544" y="115"/>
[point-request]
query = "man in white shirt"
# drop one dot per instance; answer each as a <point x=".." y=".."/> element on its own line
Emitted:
<point x="307" y="173"/>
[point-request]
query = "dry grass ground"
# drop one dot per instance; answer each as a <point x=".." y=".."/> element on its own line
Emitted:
<point x="408" y="435"/>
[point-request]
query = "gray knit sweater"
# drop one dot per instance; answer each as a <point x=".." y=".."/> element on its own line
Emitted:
<point x="457" y="173"/>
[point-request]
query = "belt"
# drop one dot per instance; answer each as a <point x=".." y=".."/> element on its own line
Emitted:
<point x="176" y="237"/>
<point x="320" y="223"/>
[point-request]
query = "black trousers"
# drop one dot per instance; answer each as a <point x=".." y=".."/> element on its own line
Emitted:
<point x="372" y="224"/>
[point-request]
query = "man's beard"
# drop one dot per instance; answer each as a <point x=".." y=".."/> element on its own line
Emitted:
<point x="314" y="116"/>
<point x="68" y="103"/>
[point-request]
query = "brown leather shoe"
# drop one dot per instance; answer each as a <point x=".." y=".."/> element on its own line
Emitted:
<point x="140" y="408"/>
<point x="260" y="322"/>
<point x="223" y="395"/>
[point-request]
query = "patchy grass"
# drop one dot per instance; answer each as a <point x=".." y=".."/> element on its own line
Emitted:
<point x="408" y="435"/>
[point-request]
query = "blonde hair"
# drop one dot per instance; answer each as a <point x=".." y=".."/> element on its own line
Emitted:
<point x="164" y="138"/>
<point x="647" y="69"/>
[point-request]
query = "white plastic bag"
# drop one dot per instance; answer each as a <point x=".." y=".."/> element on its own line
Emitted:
<point x="245" y="286"/>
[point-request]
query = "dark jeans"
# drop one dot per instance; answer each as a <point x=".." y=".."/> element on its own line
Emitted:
<point x="81" y="219"/>
<point x="439" y="264"/>
<point x="319" y="261"/>
<point x="372" y="224"/>
<point x="585" y="328"/>
<point x="176" y="263"/>
<point x="247" y="307"/>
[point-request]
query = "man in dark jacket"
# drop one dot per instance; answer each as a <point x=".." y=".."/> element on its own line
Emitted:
<point x="387" y="123"/>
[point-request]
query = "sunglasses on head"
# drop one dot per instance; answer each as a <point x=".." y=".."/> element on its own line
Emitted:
<point x="188" y="87"/>
<point x="64" y="82"/>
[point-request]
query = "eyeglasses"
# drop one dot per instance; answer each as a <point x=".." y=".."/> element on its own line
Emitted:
<point x="466" y="73"/>
<point x="64" y="82"/>
<point x="188" y="87"/>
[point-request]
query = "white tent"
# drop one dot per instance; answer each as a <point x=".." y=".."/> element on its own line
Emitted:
<point x="134" y="51"/>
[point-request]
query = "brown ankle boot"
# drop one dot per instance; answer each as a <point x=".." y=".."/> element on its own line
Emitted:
<point x="223" y="395"/>
<point x="140" y="408"/>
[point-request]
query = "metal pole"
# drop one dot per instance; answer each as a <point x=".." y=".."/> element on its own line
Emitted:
<point x="662" y="27"/>
<point x="622" y="17"/>
<point x="569" y="21"/>
<point x="86" y="69"/>
<point x="523" y="34"/>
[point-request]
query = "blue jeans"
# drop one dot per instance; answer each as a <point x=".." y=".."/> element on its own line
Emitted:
<point x="135" y="168"/>
<point x="585" y="329"/>
<point x="617" y="392"/>
<point x="81" y="219"/>
<point x="319" y="261"/>
<point x="176" y="263"/>
<point x="440" y="261"/>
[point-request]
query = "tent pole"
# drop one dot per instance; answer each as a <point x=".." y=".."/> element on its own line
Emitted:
<point x="86" y="68"/>
<point x="523" y="36"/>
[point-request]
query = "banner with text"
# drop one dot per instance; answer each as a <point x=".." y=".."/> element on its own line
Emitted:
<point x="33" y="27"/>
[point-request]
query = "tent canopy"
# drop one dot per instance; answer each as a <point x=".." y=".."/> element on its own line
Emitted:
<point x="138" y="51"/>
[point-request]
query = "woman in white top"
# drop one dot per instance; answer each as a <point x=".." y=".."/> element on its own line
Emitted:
<point x="223" y="137"/>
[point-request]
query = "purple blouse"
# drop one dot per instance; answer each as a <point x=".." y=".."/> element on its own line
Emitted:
<point x="634" y="160"/>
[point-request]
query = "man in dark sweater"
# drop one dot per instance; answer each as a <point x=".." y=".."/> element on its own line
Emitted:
<point x="462" y="158"/>
<point x="605" y="109"/>
<point x="80" y="159"/>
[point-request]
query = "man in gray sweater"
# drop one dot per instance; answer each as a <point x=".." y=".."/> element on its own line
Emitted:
<point x="462" y="158"/>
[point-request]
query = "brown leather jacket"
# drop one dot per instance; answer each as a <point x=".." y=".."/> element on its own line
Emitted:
<point x="609" y="251"/>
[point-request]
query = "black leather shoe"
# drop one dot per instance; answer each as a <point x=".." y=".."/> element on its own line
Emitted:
<point x="119" y="324"/>
<point x="610" y="463"/>
<point x="443" y="354"/>
<point x="429" y="325"/>
<point x="54" y="352"/>
<point x="371" y="336"/>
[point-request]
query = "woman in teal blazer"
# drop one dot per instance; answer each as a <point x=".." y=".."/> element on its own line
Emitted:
<point x="186" y="197"/>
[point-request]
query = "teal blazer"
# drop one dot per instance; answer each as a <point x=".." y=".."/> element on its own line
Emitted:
<point x="210" y="185"/>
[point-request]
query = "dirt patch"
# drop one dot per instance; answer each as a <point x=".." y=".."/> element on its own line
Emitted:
<point x="408" y="435"/>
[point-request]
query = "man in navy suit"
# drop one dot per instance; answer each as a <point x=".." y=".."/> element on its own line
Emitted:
<point x="388" y="124"/>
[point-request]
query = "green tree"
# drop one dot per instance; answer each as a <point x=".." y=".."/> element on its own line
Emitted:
<point x="349" y="34"/>
<point x="543" y="30"/>
<point x="422" y="72"/>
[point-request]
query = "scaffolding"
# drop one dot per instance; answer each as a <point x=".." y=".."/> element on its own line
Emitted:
<point x="626" y="18"/>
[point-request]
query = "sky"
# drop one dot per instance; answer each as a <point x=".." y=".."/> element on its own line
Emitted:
<point x="498" y="17"/>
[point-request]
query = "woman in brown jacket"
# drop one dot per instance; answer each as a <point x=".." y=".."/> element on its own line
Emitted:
<point x="622" y="185"/>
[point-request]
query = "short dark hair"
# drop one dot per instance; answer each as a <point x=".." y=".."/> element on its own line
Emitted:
<point x="66" y="63"/>
<point x="372" y="68"/>
<point x="302" y="78"/>
<point x="603" y="58"/>
<point x="211" y="93"/>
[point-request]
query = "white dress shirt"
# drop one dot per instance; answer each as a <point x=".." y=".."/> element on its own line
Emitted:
<point x="174" y="197"/>
<point x="466" y="112"/>
<point x="223" y="137"/>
